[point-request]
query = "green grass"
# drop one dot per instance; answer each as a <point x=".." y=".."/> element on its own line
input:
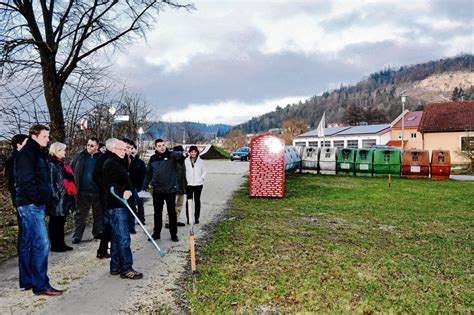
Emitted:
<point x="343" y="245"/>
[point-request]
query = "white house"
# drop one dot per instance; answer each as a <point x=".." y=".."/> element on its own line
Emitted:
<point x="346" y="137"/>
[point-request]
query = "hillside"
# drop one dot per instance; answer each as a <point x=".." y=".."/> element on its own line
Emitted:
<point x="193" y="132"/>
<point x="376" y="99"/>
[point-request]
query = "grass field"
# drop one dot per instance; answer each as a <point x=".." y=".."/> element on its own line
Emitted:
<point x="343" y="245"/>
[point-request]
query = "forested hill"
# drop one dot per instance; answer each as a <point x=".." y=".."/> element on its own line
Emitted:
<point x="377" y="98"/>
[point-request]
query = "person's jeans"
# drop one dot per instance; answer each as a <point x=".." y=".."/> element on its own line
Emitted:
<point x="33" y="249"/>
<point x="120" y="251"/>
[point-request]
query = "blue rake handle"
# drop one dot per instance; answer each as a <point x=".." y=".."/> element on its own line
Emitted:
<point x="112" y="191"/>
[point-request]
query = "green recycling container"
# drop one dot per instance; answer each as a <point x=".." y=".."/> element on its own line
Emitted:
<point x="387" y="161"/>
<point x="345" y="158"/>
<point x="364" y="162"/>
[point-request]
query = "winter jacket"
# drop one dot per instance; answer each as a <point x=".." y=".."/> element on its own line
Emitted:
<point x="195" y="172"/>
<point x="115" y="175"/>
<point x="161" y="172"/>
<point x="31" y="176"/>
<point x="97" y="175"/>
<point x="137" y="171"/>
<point x="79" y="176"/>
<point x="9" y="164"/>
<point x="61" y="201"/>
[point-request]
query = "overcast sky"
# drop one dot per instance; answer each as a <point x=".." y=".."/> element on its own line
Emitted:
<point x="228" y="61"/>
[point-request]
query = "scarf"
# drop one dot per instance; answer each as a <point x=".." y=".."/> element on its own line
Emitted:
<point x="69" y="184"/>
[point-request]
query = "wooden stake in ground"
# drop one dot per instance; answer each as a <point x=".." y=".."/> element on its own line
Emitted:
<point x="192" y="247"/>
<point x="389" y="180"/>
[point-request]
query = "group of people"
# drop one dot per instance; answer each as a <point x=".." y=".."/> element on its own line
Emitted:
<point x="42" y="183"/>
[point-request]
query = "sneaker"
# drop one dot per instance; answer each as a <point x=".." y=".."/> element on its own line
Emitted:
<point x="76" y="241"/>
<point x="175" y="238"/>
<point x="180" y="224"/>
<point x="132" y="275"/>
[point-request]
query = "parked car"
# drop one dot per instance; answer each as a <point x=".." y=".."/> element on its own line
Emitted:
<point x="242" y="154"/>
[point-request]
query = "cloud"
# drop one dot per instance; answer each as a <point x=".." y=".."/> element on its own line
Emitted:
<point x="231" y="112"/>
<point x="248" y="52"/>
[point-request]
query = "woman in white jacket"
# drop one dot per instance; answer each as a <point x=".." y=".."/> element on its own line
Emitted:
<point x="195" y="175"/>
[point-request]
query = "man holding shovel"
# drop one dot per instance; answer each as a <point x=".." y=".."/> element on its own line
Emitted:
<point x="116" y="215"/>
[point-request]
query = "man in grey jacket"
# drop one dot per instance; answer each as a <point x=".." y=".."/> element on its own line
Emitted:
<point x="161" y="173"/>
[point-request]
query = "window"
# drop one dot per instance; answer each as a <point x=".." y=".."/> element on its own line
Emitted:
<point x="339" y="143"/>
<point x="467" y="143"/>
<point x="411" y="118"/>
<point x="413" y="135"/>
<point x="313" y="143"/>
<point x="300" y="144"/>
<point x="367" y="143"/>
<point x="352" y="143"/>
<point x="326" y="143"/>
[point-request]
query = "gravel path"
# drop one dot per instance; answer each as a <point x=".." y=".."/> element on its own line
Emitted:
<point x="89" y="287"/>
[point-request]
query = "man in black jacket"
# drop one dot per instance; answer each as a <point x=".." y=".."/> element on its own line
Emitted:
<point x="116" y="215"/>
<point x="33" y="192"/>
<point x="98" y="177"/>
<point x="87" y="191"/>
<point x="18" y="141"/>
<point x="161" y="172"/>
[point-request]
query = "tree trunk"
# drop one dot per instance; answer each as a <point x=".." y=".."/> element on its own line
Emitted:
<point x="52" y="95"/>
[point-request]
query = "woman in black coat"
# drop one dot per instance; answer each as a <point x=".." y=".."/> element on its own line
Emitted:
<point x="64" y="191"/>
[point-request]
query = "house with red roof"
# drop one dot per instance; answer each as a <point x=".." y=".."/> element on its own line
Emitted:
<point x="449" y="126"/>
<point x="405" y="127"/>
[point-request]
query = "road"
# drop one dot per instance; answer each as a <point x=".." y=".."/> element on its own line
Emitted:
<point x="90" y="289"/>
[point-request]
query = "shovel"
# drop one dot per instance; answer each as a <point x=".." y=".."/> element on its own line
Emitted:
<point x="162" y="253"/>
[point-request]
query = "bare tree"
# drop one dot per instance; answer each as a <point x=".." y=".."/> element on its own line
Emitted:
<point x="234" y="139"/>
<point x="293" y="127"/>
<point x="191" y="133"/>
<point x="55" y="38"/>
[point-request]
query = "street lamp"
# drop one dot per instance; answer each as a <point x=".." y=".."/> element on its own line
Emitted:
<point x="140" y="133"/>
<point x="112" y="111"/>
<point x="404" y="98"/>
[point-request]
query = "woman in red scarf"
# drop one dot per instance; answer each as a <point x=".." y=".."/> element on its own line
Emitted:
<point x="64" y="191"/>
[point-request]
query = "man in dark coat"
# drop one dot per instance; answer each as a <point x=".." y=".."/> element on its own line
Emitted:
<point x="88" y="192"/>
<point x="161" y="173"/>
<point x="116" y="214"/>
<point x="18" y="141"/>
<point x="98" y="177"/>
<point x="137" y="172"/>
<point x="33" y="192"/>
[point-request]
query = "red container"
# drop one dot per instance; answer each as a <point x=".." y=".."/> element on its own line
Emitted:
<point x="267" y="166"/>
<point x="416" y="163"/>
<point x="440" y="164"/>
